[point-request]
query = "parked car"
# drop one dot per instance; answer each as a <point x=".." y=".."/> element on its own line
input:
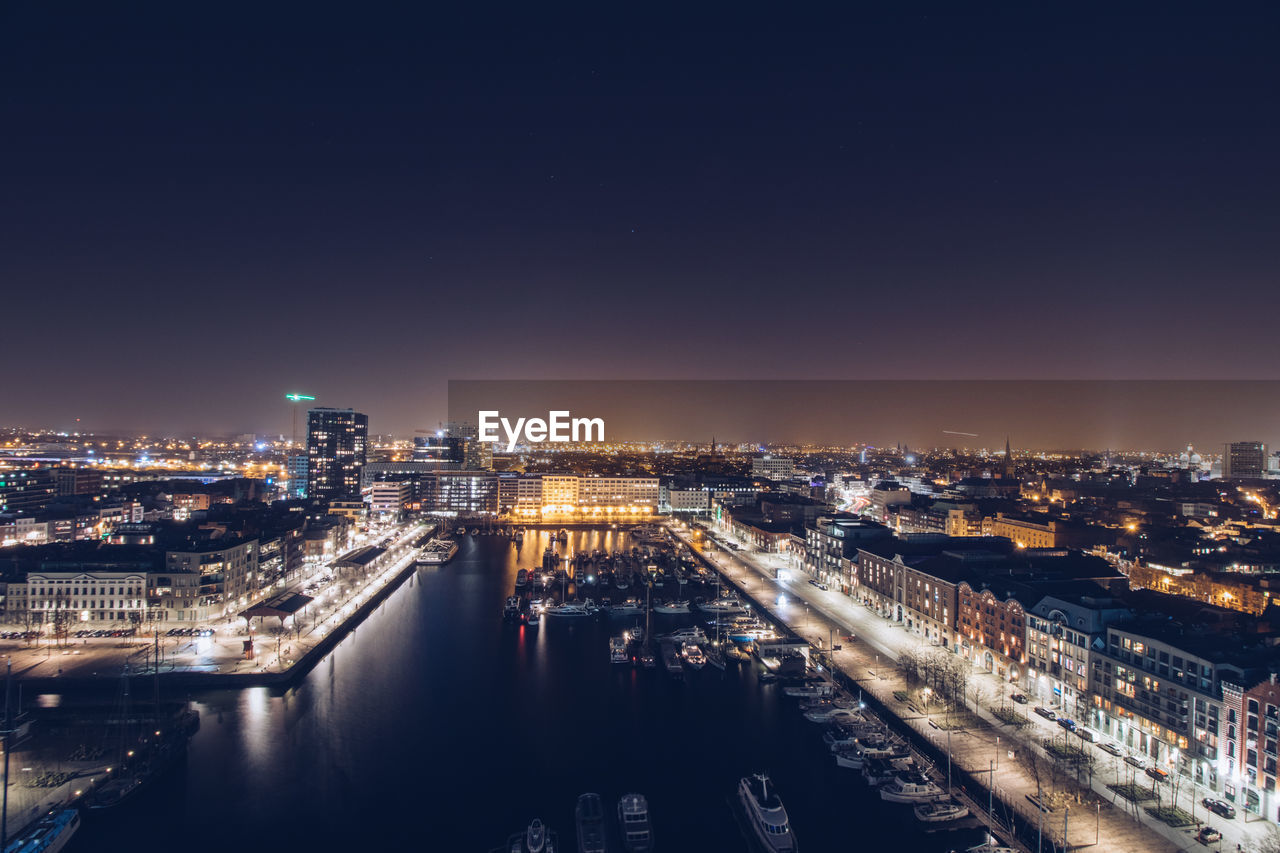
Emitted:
<point x="1069" y="725"/>
<point x="1111" y="748"/>
<point x="1020" y="698"/>
<point x="1084" y="734"/>
<point x="1208" y="835"/>
<point x="1135" y="760"/>
<point x="1219" y="807"/>
<point x="819" y="584"/>
<point x="1157" y="773"/>
<point x="1046" y="713"/>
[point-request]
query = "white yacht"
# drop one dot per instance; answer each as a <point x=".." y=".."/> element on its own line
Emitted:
<point x="725" y="606"/>
<point x="687" y="635"/>
<point x="569" y="608"/>
<point x="633" y="819"/>
<point x="832" y="714"/>
<point x="910" y="788"/>
<point x="630" y="607"/>
<point x="672" y="607"/>
<point x="618" y="650"/>
<point x="941" y="811"/>
<point x="766" y="814"/>
<point x="693" y="655"/>
<point x="536" y="839"/>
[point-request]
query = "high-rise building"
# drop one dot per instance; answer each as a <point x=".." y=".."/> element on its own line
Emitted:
<point x="298" y="468"/>
<point x="1244" y="460"/>
<point x="336" y="442"/>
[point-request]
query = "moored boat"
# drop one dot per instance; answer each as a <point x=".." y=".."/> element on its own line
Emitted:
<point x="589" y="815"/>
<point x="633" y="820"/>
<point x="49" y="834"/>
<point x="941" y="811"/>
<point x="765" y="813"/>
<point x="672" y="607"/>
<point x="908" y="787"/>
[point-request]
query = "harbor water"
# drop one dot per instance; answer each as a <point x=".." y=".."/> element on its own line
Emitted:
<point x="437" y="727"/>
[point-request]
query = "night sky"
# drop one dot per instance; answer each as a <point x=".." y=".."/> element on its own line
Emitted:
<point x="209" y="205"/>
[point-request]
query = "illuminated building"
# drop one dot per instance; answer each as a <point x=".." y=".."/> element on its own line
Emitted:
<point x="1244" y="460"/>
<point x="772" y="467"/>
<point x="27" y="490"/>
<point x="336" y="443"/>
<point x="1252" y="731"/>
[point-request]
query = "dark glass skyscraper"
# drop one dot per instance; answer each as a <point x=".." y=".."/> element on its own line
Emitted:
<point x="336" y="442"/>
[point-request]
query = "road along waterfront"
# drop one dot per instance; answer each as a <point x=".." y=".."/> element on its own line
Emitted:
<point x="870" y="660"/>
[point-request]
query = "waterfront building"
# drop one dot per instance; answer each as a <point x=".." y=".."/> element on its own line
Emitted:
<point x="685" y="501"/>
<point x="389" y="498"/>
<point x="466" y="493"/>
<point x="227" y="573"/>
<point x="336" y="448"/>
<point x="1065" y="629"/>
<point x="834" y="539"/>
<point x="1160" y="689"/>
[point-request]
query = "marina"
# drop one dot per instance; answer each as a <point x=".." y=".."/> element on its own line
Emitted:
<point x="547" y="690"/>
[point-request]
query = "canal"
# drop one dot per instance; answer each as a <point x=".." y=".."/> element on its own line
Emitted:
<point x="437" y="727"/>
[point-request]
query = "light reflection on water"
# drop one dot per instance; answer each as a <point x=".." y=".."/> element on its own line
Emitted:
<point x="436" y="727"/>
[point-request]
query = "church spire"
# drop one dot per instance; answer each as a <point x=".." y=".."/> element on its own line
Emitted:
<point x="1009" y="472"/>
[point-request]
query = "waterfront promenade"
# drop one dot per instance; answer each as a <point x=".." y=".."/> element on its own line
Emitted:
<point x="337" y="607"/>
<point x="870" y="659"/>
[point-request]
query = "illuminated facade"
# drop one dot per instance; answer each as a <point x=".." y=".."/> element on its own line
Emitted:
<point x="336" y="445"/>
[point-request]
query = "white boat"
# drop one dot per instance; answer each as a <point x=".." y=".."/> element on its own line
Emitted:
<point x="910" y="788"/>
<point x="765" y="814"/>
<point x="833" y="714"/>
<point x="856" y="755"/>
<point x="991" y="847"/>
<point x="672" y="607"/>
<point x="633" y="820"/>
<point x="941" y="811"/>
<point x="630" y="607"/>
<point x="693" y="655"/>
<point x="438" y="551"/>
<point x="569" y="608"/>
<point x="49" y="834"/>
<point x="686" y="635"/>
<point x="725" y="606"/>
<point x="536" y="839"/>
<point x="618" y="650"/>
<point x="810" y="690"/>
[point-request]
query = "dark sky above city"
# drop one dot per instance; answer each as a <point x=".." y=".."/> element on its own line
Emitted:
<point x="208" y="206"/>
